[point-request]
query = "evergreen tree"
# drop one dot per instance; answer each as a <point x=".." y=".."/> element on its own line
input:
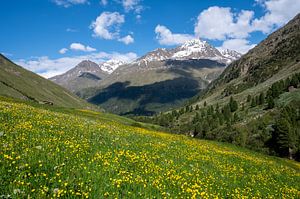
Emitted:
<point x="187" y="109"/>
<point x="235" y="117"/>
<point x="249" y="98"/>
<point x="227" y="113"/>
<point x="233" y="104"/>
<point x="275" y="90"/>
<point x="261" y="98"/>
<point x="284" y="137"/>
<point x="271" y="103"/>
<point x="257" y="100"/>
<point x="294" y="81"/>
<point x="253" y="102"/>
<point x="197" y="107"/>
<point x="205" y="104"/>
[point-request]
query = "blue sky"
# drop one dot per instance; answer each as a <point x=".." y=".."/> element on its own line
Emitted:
<point x="51" y="36"/>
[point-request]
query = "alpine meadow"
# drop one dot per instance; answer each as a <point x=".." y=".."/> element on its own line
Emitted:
<point x="150" y="99"/>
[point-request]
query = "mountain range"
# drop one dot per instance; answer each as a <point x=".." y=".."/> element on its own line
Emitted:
<point x="254" y="103"/>
<point x="157" y="81"/>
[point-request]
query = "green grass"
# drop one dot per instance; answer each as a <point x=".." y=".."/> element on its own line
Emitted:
<point x="288" y="97"/>
<point x="78" y="154"/>
<point x="19" y="83"/>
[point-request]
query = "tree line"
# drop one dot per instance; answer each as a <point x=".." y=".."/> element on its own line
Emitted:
<point x="276" y="133"/>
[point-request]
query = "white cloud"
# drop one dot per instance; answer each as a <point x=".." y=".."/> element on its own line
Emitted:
<point x="63" y="50"/>
<point x="107" y="26"/>
<point x="130" y="5"/>
<point x="47" y="67"/>
<point x="104" y="2"/>
<point x="81" y="47"/>
<point x="239" y="45"/>
<point x="127" y="39"/>
<point x="218" y="23"/>
<point x="278" y="12"/>
<point x="68" y="3"/>
<point x="166" y="37"/>
<point x="234" y="28"/>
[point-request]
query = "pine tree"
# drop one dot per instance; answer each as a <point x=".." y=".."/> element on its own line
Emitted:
<point x="257" y="100"/>
<point x="205" y="104"/>
<point x="187" y="109"/>
<point x="271" y="103"/>
<point x="284" y="137"/>
<point x="294" y="81"/>
<point x="261" y="98"/>
<point x="233" y="104"/>
<point x="197" y="107"/>
<point x="253" y="102"/>
<point x="275" y="90"/>
<point x="249" y="98"/>
<point x="227" y="113"/>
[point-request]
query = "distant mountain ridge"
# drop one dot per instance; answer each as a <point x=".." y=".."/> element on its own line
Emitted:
<point x="192" y="49"/>
<point x="85" y="74"/>
<point x="135" y="87"/>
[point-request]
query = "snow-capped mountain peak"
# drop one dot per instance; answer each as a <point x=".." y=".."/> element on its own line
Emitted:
<point x="111" y="65"/>
<point x="159" y="54"/>
<point x="196" y="49"/>
<point x="230" y="53"/>
<point x="195" y="43"/>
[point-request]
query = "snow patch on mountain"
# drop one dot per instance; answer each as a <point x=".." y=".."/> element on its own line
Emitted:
<point x="192" y="49"/>
<point x="111" y="65"/>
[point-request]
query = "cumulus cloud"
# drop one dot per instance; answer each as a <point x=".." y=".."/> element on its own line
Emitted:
<point x="166" y="37"/>
<point x="107" y="26"/>
<point x="130" y="5"/>
<point x="239" y="45"/>
<point x="218" y="23"/>
<point x="48" y="67"/>
<point x="235" y="28"/>
<point x="81" y="47"/>
<point x="68" y="3"/>
<point x="63" y="50"/>
<point x="278" y="12"/>
<point x="127" y="39"/>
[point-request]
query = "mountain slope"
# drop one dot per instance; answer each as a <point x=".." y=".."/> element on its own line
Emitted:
<point x="160" y="80"/>
<point x="140" y="89"/>
<point x="47" y="154"/>
<point x="17" y="82"/>
<point x="85" y="74"/>
<point x="278" y="53"/>
<point x="254" y="103"/>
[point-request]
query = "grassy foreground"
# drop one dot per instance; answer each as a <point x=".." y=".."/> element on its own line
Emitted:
<point x="46" y="154"/>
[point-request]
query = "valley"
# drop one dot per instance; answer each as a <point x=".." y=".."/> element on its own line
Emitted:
<point x="160" y="80"/>
<point x="150" y="99"/>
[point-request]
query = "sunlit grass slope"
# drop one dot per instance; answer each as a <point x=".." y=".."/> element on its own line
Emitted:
<point x="46" y="154"/>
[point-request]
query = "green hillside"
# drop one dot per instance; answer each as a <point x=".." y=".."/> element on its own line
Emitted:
<point x="19" y="83"/>
<point x="50" y="154"/>
<point x="254" y="103"/>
